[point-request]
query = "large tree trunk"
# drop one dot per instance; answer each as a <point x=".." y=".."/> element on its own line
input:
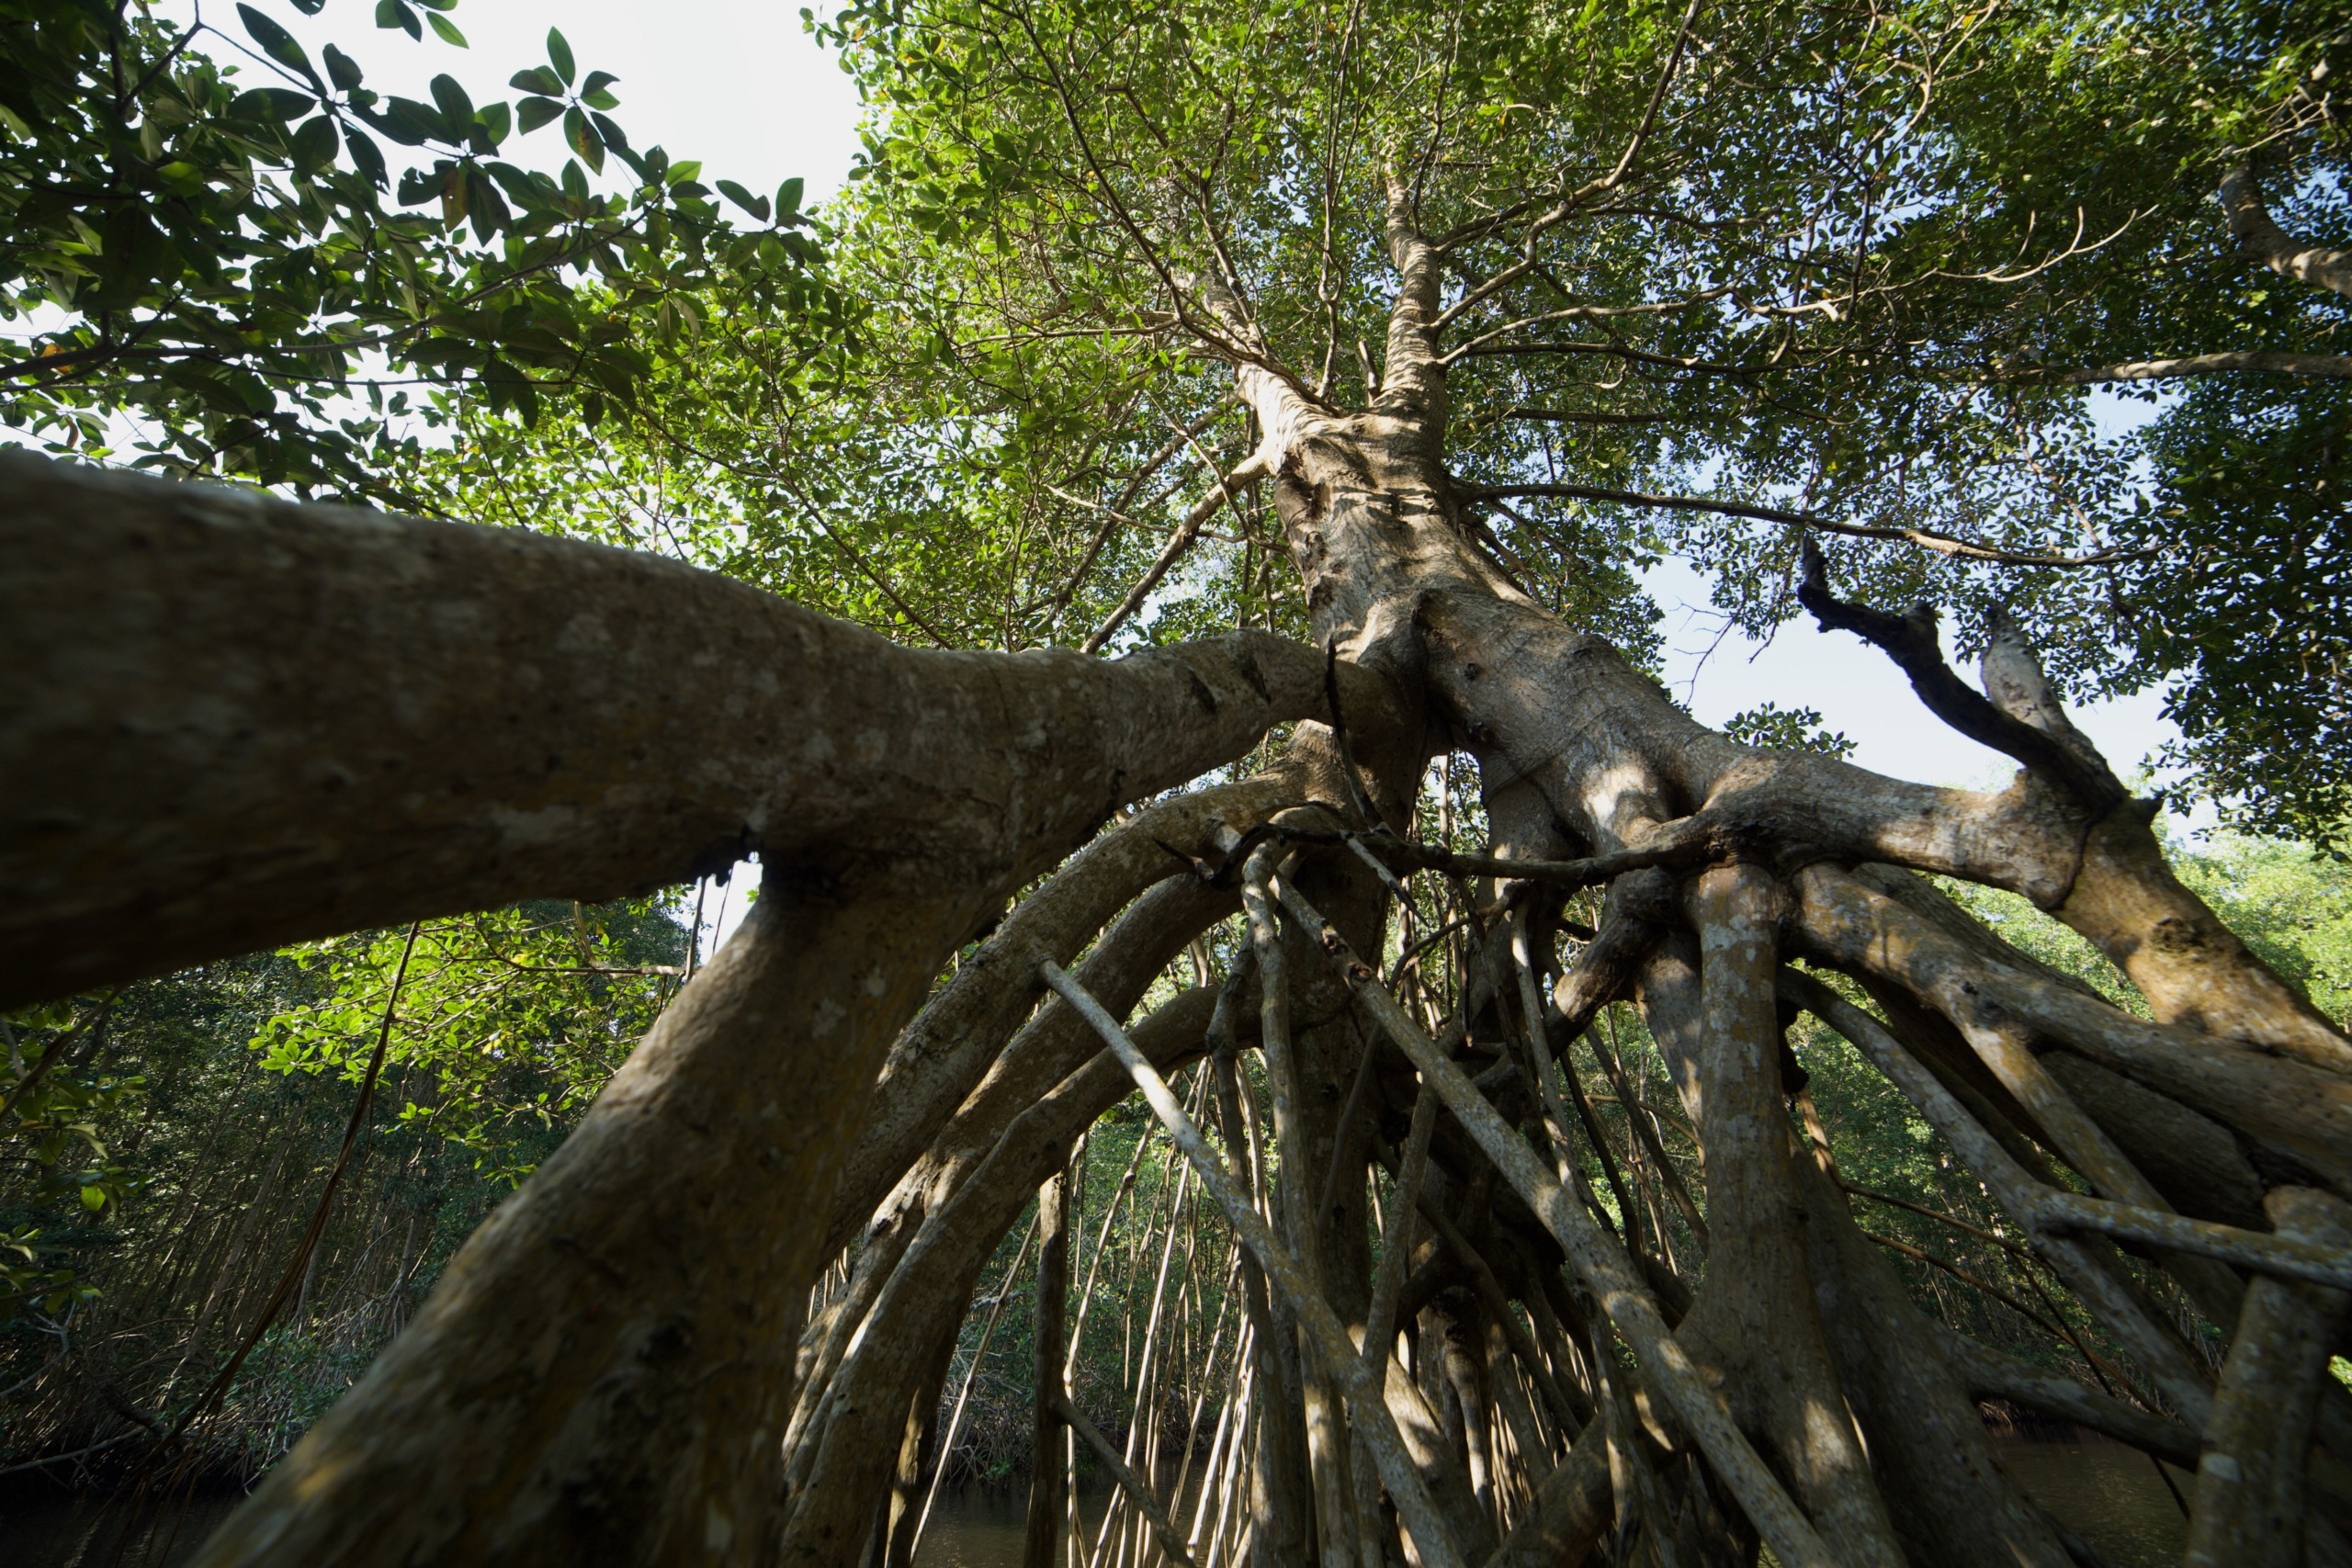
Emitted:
<point x="607" y="1372"/>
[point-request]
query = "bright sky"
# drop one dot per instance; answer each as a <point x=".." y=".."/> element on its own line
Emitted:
<point x="1858" y="692"/>
<point x="735" y="83"/>
<point x="742" y="87"/>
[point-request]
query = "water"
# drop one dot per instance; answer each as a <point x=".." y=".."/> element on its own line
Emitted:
<point x="976" y="1528"/>
<point x="44" y="1527"/>
<point x="2104" y="1492"/>
<point x="983" y="1526"/>
<point x="49" y="1529"/>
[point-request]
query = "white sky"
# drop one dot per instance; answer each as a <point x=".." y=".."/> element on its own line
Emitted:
<point x="737" y="85"/>
<point x="1858" y="691"/>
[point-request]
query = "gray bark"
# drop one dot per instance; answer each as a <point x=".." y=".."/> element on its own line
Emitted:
<point x="234" y="722"/>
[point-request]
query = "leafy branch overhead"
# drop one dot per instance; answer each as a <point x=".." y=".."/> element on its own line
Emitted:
<point x="261" y="263"/>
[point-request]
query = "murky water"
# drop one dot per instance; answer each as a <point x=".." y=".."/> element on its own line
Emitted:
<point x="2104" y="1492"/>
<point x="2109" y="1494"/>
<point x="56" y="1529"/>
<point x="975" y="1529"/>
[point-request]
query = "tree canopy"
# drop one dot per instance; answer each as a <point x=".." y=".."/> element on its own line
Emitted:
<point x="201" y="233"/>
<point x="1956" y="290"/>
<point x="1339" y="371"/>
<point x="1889" y="277"/>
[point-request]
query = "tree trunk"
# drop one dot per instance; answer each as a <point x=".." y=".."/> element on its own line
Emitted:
<point x="606" y="1372"/>
<point x="1041" y="1539"/>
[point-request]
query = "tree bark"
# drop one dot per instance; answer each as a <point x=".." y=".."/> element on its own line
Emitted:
<point x="2249" y="1509"/>
<point x="604" y="1373"/>
<point x="237" y="722"/>
<point x="1042" y="1538"/>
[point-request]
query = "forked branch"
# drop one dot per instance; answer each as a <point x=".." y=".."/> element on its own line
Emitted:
<point x="1910" y="640"/>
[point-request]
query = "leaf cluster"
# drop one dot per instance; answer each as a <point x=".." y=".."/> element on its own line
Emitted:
<point x="254" y="257"/>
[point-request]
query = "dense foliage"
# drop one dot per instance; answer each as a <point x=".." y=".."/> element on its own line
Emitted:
<point x="1875" y="276"/>
<point x="167" y="1146"/>
<point x="221" y="257"/>
<point x="1852" y="275"/>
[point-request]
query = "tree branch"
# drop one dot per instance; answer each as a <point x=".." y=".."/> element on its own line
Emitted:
<point x="1910" y="641"/>
<point x="1254" y="467"/>
<point x="313" y="720"/>
<point x="2332" y="364"/>
<point x="2260" y="237"/>
<point x="1366" y="1398"/>
<point x="1600" y="1262"/>
<point x="1926" y="538"/>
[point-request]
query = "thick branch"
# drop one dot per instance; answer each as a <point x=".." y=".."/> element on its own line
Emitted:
<point x="962" y="1030"/>
<point x="1366" y="1397"/>
<point x="2283" y="1257"/>
<point x="2259" y="236"/>
<point x="931" y="1286"/>
<point x="2250" y="1480"/>
<point x="1991" y="1374"/>
<point x="1910" y="641"/>
<point x="2299" y="1109"/>
<point x="234" y="722"/>
<point x="1604" y="1268"/>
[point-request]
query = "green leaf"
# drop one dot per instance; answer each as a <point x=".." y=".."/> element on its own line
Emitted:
<point x="525" y="190"/>
<point x="314" y="145"/>
<point x="446" y="27"/>
<point x="457" y="109"/>
<point x="592" y="90"/>
<point x="366" y="156"/>
<point x="787" y="194"/>
<point x="492" y="123"/>
<point x="560" y="55"/>
<point x="757" y="206"/>
<point x="94" y="1198"/>
<point x="408" y="122"/>
<point x="341" y="68"/>
<point x="484" y="205"/>
<point x="277" y="105"/>
<point x="582" y="140"/>
<point x="611" y="133"/>
<point x="537" y="79"/>
<point x="535" y="112"/>
<point x="396" y="14"/>
<point x="278" y="43"/>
